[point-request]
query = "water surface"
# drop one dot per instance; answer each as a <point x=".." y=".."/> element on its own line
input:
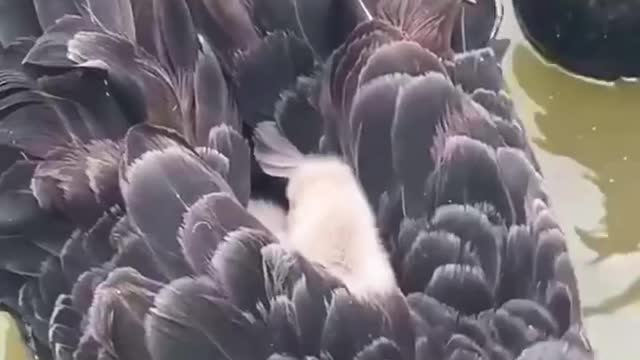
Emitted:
<point x="11" y="346"/>
<point x="587" y="138"/>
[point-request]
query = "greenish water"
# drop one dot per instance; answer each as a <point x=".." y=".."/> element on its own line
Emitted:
<point x="11" y="346"/>
<point x="587" y="139"/>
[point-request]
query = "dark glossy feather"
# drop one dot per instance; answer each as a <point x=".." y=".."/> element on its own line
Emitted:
<point x="518" y="175"/>
<point x="51" y="283"/>
<point x="565" y="274"/>
<point x="80" y="181"/>
<point x="237" y="267"/>
<point x="114" y="15"/>
<point x="400" y="57"/>
<point x="143" y="138"/>
<point x="559" y="303"/>
<point x="517" y="273"/>
<point x="497" y="103"/>
<point x="133" y="250"/>
<point x="116" y="317"/>
<point x="283" y="327"/>
<point x="462" y="287"/>
<point x="312" y="17"/>
<point x="430" y="23"/>
<point x="551" y="244"/>
<point x="350" y="325"/>
<point x="175" y="37"/>
<point x="64" y="331"/>
<point x="50" y="11"/>
<point x="30" y="305"/>
<point x="326" y="24"/>
<point x="533" y="314"/>
<point x="477" y="25"/>
<point x="298" y="118"/>
<point x="352" y="56"/>
<point x="192" y="318"/>
<point x="427" y="253"/>
<point x="371" y="120"/>
<point x="157" y="178"/>
<point x="227" y="25"/>
<point x="474" y="230"/>
<point x="234" y="147"/>
<point x="138" y="80"/>
<point x="10" y="284"/>
<point x="90" y="91"/>
<point x="84" y="288"/>
<point x="215" y="160"/>
<point x="177" y="47"/>
<point x="206" y="225"/>
<point x="468" y="174"/>
<point x="347" y="76"/>
<point x="14" y="185"/>
<point x="420" y="109"/>
<point x="213" y="102"/>
<point x="17" y="19"/>
<point x="50" y="50"/>
<point x="28" y="235"/>
<point x="478" y="69"/>
<point x="273" y="15"/>
<point x="12" y="81"/>
<point x="379" y="349"/>
<point x="12" y="54"/>
<point x="267" y="69"/>
<point x="37" y="124"/>
<point x="73" y="259"/>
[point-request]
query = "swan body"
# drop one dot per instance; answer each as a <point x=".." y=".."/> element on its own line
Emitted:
<point x="137" y="138"/>
<point x="595" y="39"/>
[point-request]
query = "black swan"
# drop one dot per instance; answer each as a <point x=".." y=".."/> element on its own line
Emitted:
<point x="597" y="39"/>
<point x="271" y="179"/>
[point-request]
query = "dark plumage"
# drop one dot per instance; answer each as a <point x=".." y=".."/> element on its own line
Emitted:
<point x="138" y="133"/>
<point x="596" y="39"/>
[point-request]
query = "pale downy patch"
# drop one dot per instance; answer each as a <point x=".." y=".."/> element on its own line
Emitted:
<point x="271" y="215"/>
<point x="330" y="223"/>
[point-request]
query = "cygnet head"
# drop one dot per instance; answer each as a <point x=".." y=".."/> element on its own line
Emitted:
<point x="331" y="223"/>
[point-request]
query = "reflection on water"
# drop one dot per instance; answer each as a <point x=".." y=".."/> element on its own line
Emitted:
<point x="11" y="348"/>
<point x="587" y="138"/>
<point x="596" y="125"/>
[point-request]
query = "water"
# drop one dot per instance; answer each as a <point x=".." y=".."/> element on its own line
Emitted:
<point x="11" y="347"/>
<point x="587" y="139"/>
